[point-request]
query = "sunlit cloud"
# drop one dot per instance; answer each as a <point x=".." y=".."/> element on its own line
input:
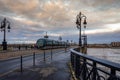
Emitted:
<point x="114" y="27"/>
<point x="109" y="28"/>
<point x="96" y="31"/>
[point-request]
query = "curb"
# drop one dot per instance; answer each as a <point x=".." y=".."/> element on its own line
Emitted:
<point x="14" y="58"/>
<point x="72" y="72"/>
<point x="1" y="75"/>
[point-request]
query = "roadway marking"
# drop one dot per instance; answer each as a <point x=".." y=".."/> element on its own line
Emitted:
<point x="3" y="74"/>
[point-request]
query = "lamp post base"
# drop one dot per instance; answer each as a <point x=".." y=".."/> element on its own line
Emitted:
<point x="4" y="44"/>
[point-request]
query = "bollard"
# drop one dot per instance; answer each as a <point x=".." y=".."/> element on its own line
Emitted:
<point x="65" y="49"/>
<point x="19" y="47"/>
<point x="44" y="54"/>
<point x="51" y="53"/>
<point x="25" y="47"/>
<point x="21" y="64"/>
<point x="34" y="59"/>
<point x="31" y="47"/>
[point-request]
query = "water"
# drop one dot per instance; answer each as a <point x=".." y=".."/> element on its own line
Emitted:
<point x="105" y="53"/>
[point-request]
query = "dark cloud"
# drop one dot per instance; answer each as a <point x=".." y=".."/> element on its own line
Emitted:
<point x="32" y="18"/>
<point x="104" y="37"/>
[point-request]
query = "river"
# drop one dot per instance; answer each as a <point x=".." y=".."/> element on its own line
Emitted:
<point x="105" y="53"/>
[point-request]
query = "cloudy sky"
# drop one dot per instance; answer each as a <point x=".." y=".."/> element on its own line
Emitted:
<point x="31" y="19"/>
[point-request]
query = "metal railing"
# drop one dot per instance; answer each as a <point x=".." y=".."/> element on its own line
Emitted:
<point x="91" y="68"/>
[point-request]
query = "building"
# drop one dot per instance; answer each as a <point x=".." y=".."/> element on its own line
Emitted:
<point x="115" y="44"/>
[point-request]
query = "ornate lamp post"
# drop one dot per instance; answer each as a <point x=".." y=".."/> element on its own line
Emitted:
<point x="5" y="24"/>
<point x="80" y="16"/>
<point x="85" y="36"/>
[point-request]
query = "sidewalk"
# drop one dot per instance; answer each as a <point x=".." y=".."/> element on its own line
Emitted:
<point x="55" y="69"/>
<point x="12" y="54"/>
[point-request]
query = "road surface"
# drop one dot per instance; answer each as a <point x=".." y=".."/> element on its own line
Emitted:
<point x="12" y="64"/>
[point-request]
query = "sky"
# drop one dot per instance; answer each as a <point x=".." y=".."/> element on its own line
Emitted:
<point x="31" y="19"/>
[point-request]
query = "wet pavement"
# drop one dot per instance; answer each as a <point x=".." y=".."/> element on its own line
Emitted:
<point x="55" y="69"/>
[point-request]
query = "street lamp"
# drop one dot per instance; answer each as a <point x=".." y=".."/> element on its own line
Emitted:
<point x="5" y="24"/>
<point x="78" y="23"/>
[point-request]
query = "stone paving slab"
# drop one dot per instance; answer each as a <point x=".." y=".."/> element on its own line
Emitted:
<point x="56" y="69"/>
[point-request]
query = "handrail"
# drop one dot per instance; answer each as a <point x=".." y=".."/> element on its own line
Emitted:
<point x="80" y="65"/>
<point x="98" y="60"/>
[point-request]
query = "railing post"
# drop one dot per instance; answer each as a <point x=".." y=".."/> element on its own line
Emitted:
<point x="34" y="59"/>
<point x="71" y="59"/>
<point x="112" y="76"/>
<point x="84" y="69"/>
<point x="113" y="72"/>
<point x="77" y="66"/>
<point x="21" y="64"/>
<point x="74" y="62"/>
<point x="94" y="71"/>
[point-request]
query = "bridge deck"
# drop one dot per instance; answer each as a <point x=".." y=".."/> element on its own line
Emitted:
<point x="55" y="69"/>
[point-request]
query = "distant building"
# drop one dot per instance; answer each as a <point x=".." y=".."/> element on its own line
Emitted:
<point x="98" y="45"/>
<point x="115" y="44"/>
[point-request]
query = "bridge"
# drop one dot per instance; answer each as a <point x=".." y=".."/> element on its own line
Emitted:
<point x="61" y="65"/>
